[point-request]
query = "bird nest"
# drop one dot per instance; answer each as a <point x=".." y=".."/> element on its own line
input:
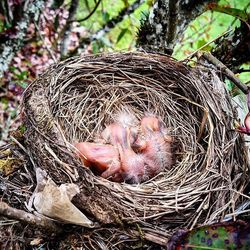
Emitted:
<point x="74" y="100"/>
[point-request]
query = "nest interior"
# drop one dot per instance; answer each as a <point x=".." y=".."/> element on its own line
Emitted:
<point x="74" y="100"/>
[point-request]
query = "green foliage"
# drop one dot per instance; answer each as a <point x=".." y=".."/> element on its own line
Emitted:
<point x="20" y="77"/>
<point x="105" y="16"/>
<point x="211" y="25"/>
<point x="22" y="129"/>
<point x="1" y="26"/>
<point x="240" y="14"/>
<point x="208" y="27"/>
<point x="245" y="76"/>
<point x="123" y="35"/>
<point x="35" y="56"/>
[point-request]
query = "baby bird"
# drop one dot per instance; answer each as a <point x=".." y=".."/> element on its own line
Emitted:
<point x="155" y="146"/>
<point x="150" y="123"/>
<point x="125" y="157"/>
<point x="102" y="159"/>
<point x="115" y="132"/>
<point x="132" y="164"/>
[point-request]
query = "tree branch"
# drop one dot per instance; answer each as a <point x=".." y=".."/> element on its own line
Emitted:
<point x="67" y="28"/>
<point x="28" y="218"/>
<point x="227" y="72"/>
<point x="108" y="26"/>
<point x="166" y="23"/>
<point x="173" y="16"/>
<point x="91" y="13"/>
<point x="9" y="47"/>
<point x="115" y="20"/>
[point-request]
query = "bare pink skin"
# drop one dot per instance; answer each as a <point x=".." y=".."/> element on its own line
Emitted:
<point x="117" y="165"/>
<point x="150" y="123"/>
<point x="246" y="128"/>
<point x="158" y="151"/>
<point x="155" y="146"/>
<point x="117" y="134"/>
<point x="103" y="158"/>
<point x="119" y="162"/>
<point x="132" y="166"/>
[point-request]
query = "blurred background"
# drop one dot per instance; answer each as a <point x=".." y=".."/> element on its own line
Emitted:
<point x="59" y="29"/>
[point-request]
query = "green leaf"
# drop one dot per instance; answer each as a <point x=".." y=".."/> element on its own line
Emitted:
<point x="95" y="48"/>
<point x="126" y="3"/>
<point x="4" y="101"/>
<point x="229" y="85"/>
<point x="87" y="5"/>
<point x="13" y="114"/>
<point x="1" y="26"/>
<point x="201" y="42"/>
<point x="22" y="84"/>
<point x="22" y="128"/>
<point x="12" y="68"/>
<point x="22" y="76"/>
<point x="122" y="33"/>
<point x="104" y="42"/>
<point x="105" y="16"/>
<point x="7" y="25"/>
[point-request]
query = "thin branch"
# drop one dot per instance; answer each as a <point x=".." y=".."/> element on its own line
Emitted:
<point x="208" y="43"/>
<point x="28" y="218"/>
<point x="153" y="237"/>
<point x="226" y="71"/>
<point x="90" y="14"/>
<point x="173" y="21"/>
<point x="242" y="70"/>
<point x="84" y="41"/>
<point x="115" y="20"/>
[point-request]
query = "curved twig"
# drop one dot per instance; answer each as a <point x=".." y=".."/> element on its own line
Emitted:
<point x="90" y="14"/>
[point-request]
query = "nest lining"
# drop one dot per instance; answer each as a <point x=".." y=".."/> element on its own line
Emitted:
<point x="75" y="99"/>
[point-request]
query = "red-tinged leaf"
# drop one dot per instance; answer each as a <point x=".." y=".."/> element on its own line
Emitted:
<point x="219" y="236"/>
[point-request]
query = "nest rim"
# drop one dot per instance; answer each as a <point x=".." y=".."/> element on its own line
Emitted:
<point x="166" y="194"/>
